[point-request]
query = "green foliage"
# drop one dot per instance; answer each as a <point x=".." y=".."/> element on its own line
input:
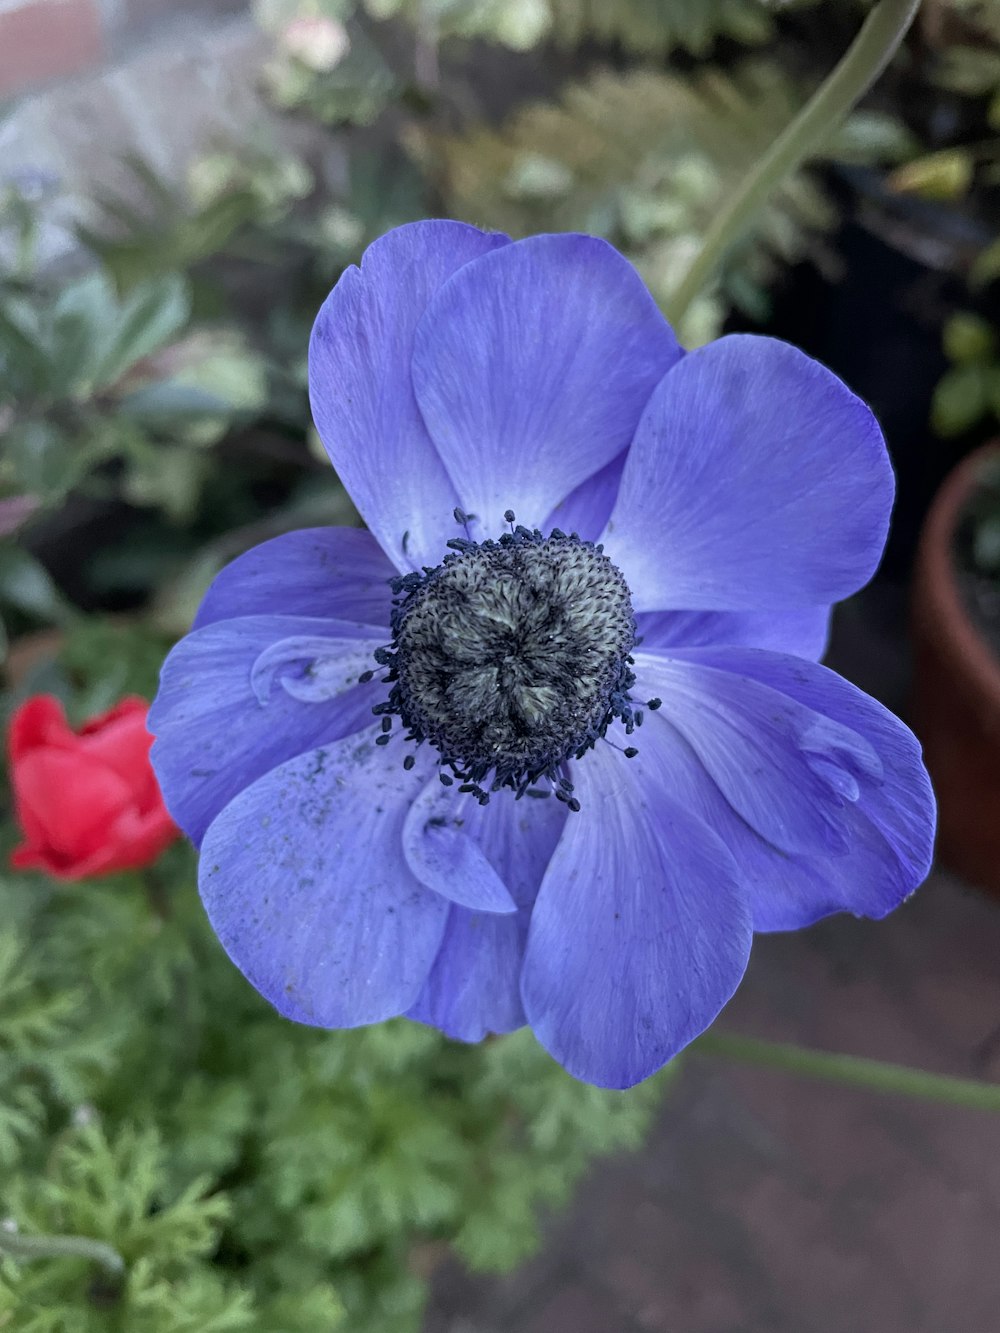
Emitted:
<point x="639" y="27"/>
<point x="657" y="26"/>
<point x="159" y="230"/>
<point x="93" y="376"/>
<point x="249" y="1170"/>
<point x="120" y="1191"/>
<point x="968" y="61"/>
<point x="252" y="1173"/>
<point x="318" y="67"/>
<point x="969" y="390"/>
<point x="645" y="159"/>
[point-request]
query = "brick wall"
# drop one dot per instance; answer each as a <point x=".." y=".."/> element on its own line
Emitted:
<point x="45" y="41"/>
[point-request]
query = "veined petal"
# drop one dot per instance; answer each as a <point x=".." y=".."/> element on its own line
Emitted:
<point x="756" y="479"/>
<point x="587" y="509"/>
<point x="474" y="986"/>
<point x="887" y="829"/>
<point x="532" y="366"/>
<point x="338" y="572"/>
<point x="641" y="930"/>
<point x="305" y="883"/>
<point x="241" y="696"/>
<point x="786" y="769"/>
<point x="442" y="855"/>
<point x="802" y="633"/>
<point x="92" y="795"/>
<point x="361" y="389"/>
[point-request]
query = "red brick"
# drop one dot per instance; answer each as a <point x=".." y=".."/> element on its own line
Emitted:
<point x="42" y="40"/>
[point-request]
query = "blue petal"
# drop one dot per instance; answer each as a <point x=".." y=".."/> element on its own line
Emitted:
<point x="783" y="767"/>
<point x="442" y="855"/>
<point x="587" y="510"/>
<point x="888" y="829"/>
<point x="532" y="367"/>
<point x="474" y="986"/>
<point x="305" y="884"/>
<point x="756" y="479"/>
<point x="241" y="696"/>
<point x="802" y="633"/>
<point x="361" y="390"/>
<point x="338" y="572"/>
<point x="641" y="931"/>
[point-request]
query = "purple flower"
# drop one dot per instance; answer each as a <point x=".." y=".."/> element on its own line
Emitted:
<point x="362" y="729"/>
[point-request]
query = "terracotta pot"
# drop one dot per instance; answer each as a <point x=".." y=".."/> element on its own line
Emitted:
<point x="956" y="690"/>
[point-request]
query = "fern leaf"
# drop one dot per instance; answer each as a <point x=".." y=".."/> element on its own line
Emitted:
<point x="645" y="159"/>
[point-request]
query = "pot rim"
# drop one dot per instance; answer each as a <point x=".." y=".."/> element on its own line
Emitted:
<point x="939" y="608"/>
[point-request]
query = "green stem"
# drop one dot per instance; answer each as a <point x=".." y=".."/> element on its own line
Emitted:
<point x="61" y="1247"/>
<point x="853" y="1070"/>
<point x="872" y="49"/>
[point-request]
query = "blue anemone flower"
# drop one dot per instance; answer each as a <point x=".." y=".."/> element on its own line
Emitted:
<point x="548" y="742"/>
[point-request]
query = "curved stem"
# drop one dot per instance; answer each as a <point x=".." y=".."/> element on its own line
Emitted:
<point x="866" y="58"/>
<point x="61" y="1247"/>
<point x="853" y="1071"/>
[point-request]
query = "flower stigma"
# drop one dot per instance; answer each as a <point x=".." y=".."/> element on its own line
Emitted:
<point x="511" y="657"/>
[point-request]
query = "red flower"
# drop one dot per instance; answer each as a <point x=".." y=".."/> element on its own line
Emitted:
<point x="87" y="801"/>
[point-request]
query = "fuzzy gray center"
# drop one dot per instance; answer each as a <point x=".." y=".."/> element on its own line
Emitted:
<point x="511" y="655"/>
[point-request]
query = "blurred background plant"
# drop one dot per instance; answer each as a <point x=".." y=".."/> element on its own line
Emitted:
<point x="154" y="423"/>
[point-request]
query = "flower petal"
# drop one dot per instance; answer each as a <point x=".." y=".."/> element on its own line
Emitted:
<point x="786" y="769"/>
<point x="305" y="883"/>
<point x="40" y="720"/>
<point x="802" y="633"/>
<point x="130" y="841"/>
<point x="756" y="479"/>
<point x="888" y="830"/>
<point x="340" y="572"/>
<point x="361" y="390"/>
<point x="120" y="739"/>
<point x="532" y="367"/>
<point x="587" y="510"/>
<point x="443" y="856"/>
<point x="66" y="801"/>
<point x="474" y="986"/>
<point x="641" y="931"/>
<point x="227" y="710"/>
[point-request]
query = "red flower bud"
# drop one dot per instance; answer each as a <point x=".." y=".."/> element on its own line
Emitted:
<point x="87" y="801"/>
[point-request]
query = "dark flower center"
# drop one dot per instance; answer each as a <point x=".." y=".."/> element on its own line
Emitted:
<point x="511" y="657"/>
